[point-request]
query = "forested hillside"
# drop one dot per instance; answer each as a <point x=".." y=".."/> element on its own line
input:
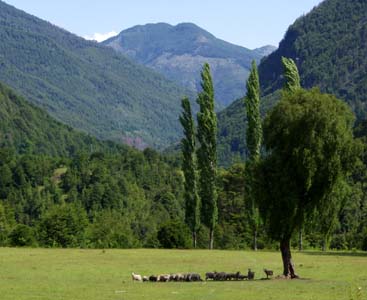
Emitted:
<point x="85" y="85"/>
<point x="329" y="47"/>
<point x="60" y="188"/>
<point x="27" y="129"/>
<point x="232" y="129"/>
<point x="179" y="52"/>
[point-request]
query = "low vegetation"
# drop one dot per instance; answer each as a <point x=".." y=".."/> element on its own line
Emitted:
<point x="97" y="274"/>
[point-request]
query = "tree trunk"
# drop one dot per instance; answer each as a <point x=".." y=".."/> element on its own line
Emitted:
<point x="255" y="240"/>
<point x="194" y="239"/>
<point x="288" y="266"/>
<point x="300" y="240"/>
<point x="324" y="244"/>
<point x="211" y="239"/>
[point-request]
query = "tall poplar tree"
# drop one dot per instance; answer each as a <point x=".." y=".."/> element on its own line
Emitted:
<point x="292" y="80"/>
<point x="192" y="200"/>
<point x="292" y="83"/>
<point x="207" y="153"/>
<point x="253" y="142"/>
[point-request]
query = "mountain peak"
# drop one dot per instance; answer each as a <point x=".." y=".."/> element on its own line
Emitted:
<point x="178" y="52"/>
<point x="86" y="85"/>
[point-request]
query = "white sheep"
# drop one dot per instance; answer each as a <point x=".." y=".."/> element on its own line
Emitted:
<point x="136" y="277"/>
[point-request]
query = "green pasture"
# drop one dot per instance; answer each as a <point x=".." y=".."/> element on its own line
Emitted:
<point x="27" y="274"/>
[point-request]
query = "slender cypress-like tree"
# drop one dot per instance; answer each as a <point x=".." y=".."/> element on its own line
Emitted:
<point x="253" y="141"/>
<point x="292" y="83"/>
<point x="207" y="153"/>
<point x="252" y="103"/>
<point x="192" y="200"/>
<point x="292" y="80"/>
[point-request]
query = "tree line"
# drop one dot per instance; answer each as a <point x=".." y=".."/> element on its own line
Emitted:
<point x="126" y="198"/>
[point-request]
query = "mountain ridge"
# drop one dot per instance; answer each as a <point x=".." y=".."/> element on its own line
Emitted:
<point x="328" y="45"/>
<point x="87" y="85"/>
<point x="179" y="51"/>
<point x="29" y="130"/>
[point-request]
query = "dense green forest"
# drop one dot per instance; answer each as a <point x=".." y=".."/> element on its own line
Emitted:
<point x="86" y="85"/>
<point x="56" y="195"/>
<point x="27" y="129"/>
<point x="232" y="129"/>
<point x="329" y="46"/>
<point x="135" y="199"/>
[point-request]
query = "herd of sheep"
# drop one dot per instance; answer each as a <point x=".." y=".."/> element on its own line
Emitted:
<point x="191" y="277"/>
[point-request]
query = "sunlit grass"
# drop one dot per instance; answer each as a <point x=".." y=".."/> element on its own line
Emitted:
<point x="96" y="274"/>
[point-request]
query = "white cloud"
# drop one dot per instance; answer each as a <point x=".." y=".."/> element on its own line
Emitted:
<point x="100" y="37"/>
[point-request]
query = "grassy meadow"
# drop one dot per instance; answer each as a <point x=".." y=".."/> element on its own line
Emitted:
<point x="76" y="274"/>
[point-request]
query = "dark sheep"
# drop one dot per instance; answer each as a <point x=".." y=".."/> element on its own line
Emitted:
<point x="230" y="276"/>
<point x="241" y="277"/>
<point x="193" y="277"/>
<point x="172" y="277"/>
<point x="250" y="274"/>
<point x="153" y="278"/>
<point x="163" y="278"/>
<point x="210" y="275"/>
<point x="268" y="273"/>
<point x="221" y="276"/>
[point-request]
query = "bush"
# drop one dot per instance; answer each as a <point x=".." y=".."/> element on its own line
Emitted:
<point x="63" y="226"/>
<point x="22" y="236"/>
<point x="174" y="234"/>
<point x="111" y="230"/>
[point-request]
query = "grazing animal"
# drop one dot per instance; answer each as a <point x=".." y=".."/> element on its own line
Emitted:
<point x="230" y="276"/>
<point x="221" y="276"/>
<point x="194" y="277"/>
<point x="268" y="273"/>
<point x="250" y="274"/>
<point x="136" y="277"/>
<point x="241" y="277"/>
<point x="210" y="275"/>
<point x="180" y="277"/>
<point x="163" y="278"/>
<point x="145" y="278"/>
<point x="153" y="278"/>
<point x="172" y="277"/>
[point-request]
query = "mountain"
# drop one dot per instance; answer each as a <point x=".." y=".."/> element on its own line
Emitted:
<point x="178" y="52"/>
<point x="329" y="46"/>
<point x="28" y="129"/>
<point x="86" y="85"/>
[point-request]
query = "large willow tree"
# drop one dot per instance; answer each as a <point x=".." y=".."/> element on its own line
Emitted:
<point x="309" y="141"/>
<point x="192" y="201"/>
<point x="207" y="153"/>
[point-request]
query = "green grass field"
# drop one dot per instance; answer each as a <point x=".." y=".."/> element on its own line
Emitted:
<point x="74" y="274"/>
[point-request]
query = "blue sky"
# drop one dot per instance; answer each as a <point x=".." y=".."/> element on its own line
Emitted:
<point x="249" y="23"/>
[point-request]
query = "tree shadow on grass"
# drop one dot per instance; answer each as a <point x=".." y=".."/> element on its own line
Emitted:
<point x="336" y="253"/>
